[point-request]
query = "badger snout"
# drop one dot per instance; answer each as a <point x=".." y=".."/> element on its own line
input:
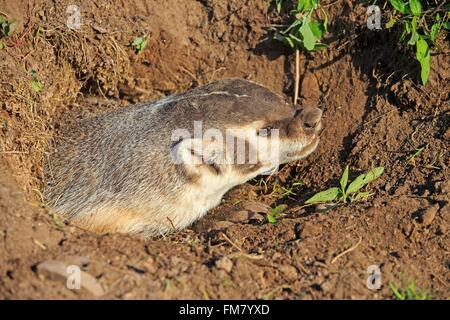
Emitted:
<point x="307" y="121"/>
<point x="311" y="119"/>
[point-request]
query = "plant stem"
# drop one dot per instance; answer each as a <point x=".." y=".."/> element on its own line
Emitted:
<point x="297" y="75"/>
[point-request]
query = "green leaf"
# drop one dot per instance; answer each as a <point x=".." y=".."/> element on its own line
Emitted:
<point x="361" y="195"/>
<point x="139" y="44"/>
<point x="396" y="292"/>
<point x="391" y="23"/>
<point x="36" y="85"/>
<point x="274" y="214"/>
<point x="320" y="46"/>
<point x="317" y="29"/>
<point x="344" y="179"/>
<point x="2" y="20"/>
<point x="414" y="36"/>
<point x="399" y="5"/>
<point x="406" y="30"/>
<point x="278" y="36"/>
<point x="278" y="209"/>
<point x="292" y="26"/>
<point x="416" y="7"/>
<point x="305" y="5"/>
<point x="1" y="45"/>
<point x="434" y="31"/>
<point x="325" y="21"/>
<point x="324" y="196"/>
<point x="309" y="40"/>
<point x="364" y="179"/>
<point x="278" y="5"/>
<point x="6" y="28"/>
<point x="407" y="27"/>
<point x="297" y="42"/>
<point x="423" y="56"/>
<point x="447" y="25"/>
<point x="271" y="219"/>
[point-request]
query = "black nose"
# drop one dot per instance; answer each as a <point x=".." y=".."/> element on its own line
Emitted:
<point x="310" y="117"/>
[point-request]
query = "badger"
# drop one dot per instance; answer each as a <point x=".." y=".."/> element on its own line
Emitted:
<point x="152" y="168"/>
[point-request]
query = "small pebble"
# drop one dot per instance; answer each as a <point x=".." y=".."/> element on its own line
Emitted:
<point x="225" y="264"/>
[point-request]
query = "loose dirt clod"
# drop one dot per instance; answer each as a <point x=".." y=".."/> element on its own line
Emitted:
<point x="225" y="264"/>
<point x="243" y="215"/>
<point x="429" y="214"/>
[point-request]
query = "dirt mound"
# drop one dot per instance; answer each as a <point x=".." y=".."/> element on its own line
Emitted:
<point x="375" y="114"/>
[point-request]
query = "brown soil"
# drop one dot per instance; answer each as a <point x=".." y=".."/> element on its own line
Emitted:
<point x="375" y="114"/>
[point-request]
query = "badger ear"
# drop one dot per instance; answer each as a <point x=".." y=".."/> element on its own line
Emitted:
<point x="197" y="154"/>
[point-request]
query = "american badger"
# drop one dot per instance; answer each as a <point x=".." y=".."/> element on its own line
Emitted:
<point x="155" y="167"/>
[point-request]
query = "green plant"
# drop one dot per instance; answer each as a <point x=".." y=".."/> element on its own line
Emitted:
<point x="304" y="33"/>
<point x="6" y="26"/>
<point x="274" y="214"/>
<point x="352" y="191"/>
<point x="423" y="25"/>
<point x="412" y="158"/>
<point x="57" y="222"/>
<point x="139" y="44"/>
<point x="278" y="190"/>
<point x="410" y="292"/>
<point x="35" y="83"/>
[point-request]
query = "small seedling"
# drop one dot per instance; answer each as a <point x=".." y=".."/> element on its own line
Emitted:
<point x="6" y="26"/>
<point x="58" y="222"/>
<point x="139" y="44"/>
<point x="304" y="33"/>
<point x="423" y="27"/>
<point x="412" y="158"/>
<point x="278" y="4"/>
<point x="274" y="214"/>
<point x="36" y="85"/>
<point x="410" y="292"/>
<point x="276" y="189"/>
<point x="352" y="191"/>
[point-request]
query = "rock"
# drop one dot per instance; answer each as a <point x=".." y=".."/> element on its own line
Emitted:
<point x="98" y="28"/>
<point x="60" y="270"/>
<point x="289" y="272"/>
<point x="225" y="264"/>
<point x="221" y="225"/>
<point x="324" y="207"/>
<point x="243" y="215"/>
<point x="429" y="214"/>
<point x="256" y="207"/>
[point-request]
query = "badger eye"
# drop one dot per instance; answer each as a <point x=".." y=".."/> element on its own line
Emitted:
<point x="265" y="132"/>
